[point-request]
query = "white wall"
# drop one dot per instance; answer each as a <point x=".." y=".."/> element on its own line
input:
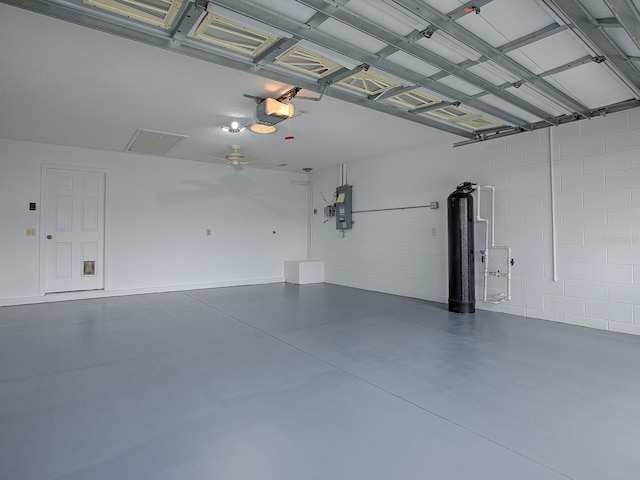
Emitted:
<point x="597" y="186"/>
<point x="158" y="210"/>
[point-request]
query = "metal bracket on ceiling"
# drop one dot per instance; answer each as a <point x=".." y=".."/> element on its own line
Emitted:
<point x="472" y="9"/>
<point x="467" y="8"/>
<point x="201" y="4"/>
<point x="187" y="21"/>
<point x="454" y="15"/>
<point x="391" y="92"/>
<point x="608" y="22"/>
<point x="256" y="99"/>
<point x="489" y="134"/>
<point x="316" y="99"/>
<point x="344" y="73"/>
<point x="289" y="94"/>
<point x="434" y="106"/>
<point x="427" y="32"/>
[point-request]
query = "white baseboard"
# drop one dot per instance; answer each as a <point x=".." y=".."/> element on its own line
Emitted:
<point x="65" y="296"/>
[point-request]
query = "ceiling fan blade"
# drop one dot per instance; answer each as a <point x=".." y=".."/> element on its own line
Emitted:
<point x="269" y="166"/>
<point x="240" y="164"/>
<point x="241" y="158"/>
<point x="214" y="160"/>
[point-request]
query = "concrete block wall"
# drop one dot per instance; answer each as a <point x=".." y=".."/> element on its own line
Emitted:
<point x="596" y="181"/>
<point x="595" y="163"/>
<point x="392" y="251"/>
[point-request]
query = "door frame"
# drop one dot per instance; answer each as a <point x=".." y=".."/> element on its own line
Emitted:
<point x="42" y="260"/>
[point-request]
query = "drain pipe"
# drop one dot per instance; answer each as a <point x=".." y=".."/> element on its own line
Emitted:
<point x="554" y="248"/>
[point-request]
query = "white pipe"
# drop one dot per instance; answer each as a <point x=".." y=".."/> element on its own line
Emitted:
<point x="485" y="251"/>
<point x="504" y="247"/>
<point x="554" y="252"/>
<point x="490" y="227"/>
<point x="310" y="219"/>
<point x="309" y="185"/>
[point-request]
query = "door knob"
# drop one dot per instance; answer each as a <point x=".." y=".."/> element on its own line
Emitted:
<point x="49" y="237"/>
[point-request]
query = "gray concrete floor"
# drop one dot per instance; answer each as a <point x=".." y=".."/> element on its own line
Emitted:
<point x="313" y="382"/>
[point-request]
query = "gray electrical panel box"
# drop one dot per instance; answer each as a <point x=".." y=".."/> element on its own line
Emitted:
<point x="343" y="208"/>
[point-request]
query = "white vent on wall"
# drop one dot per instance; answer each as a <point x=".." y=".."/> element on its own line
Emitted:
<point x="414" y="99"/>
<point x="151" y="142"/>
<point x="368" y="82"/>
<point x="225" y="33"/>
<point x="159" y="13"/>
<point x="306" y="61"/>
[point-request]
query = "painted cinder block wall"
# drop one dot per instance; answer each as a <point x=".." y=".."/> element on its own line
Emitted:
<point x="596" y="179"/>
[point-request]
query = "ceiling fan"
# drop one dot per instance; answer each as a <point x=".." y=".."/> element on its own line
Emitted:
<point x="239" y="160"/>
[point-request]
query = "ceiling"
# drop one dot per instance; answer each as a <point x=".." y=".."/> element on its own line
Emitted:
<point x="372" y="76"/>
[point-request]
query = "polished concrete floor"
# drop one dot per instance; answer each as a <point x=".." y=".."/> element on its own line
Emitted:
<point x="285" y="382"/>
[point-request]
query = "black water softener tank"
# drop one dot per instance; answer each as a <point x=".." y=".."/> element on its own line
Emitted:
<point x="462" y="294"/>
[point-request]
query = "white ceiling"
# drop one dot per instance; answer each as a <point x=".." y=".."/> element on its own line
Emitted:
<point x="68" y="84"/>
<point x="65" y="84"/>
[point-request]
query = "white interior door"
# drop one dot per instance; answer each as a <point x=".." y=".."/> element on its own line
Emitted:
<point x="74" y="220"/>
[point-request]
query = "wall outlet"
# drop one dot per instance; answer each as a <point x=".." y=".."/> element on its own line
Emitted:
<point x="208" y="232"/>
<point x="30" y="232"/>
<point x="434" y="231"/>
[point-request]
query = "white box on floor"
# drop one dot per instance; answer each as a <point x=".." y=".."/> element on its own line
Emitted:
<point x="304" y="271"/>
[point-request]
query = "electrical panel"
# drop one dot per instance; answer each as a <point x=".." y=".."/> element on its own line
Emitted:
<point x="344" y="208"/>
